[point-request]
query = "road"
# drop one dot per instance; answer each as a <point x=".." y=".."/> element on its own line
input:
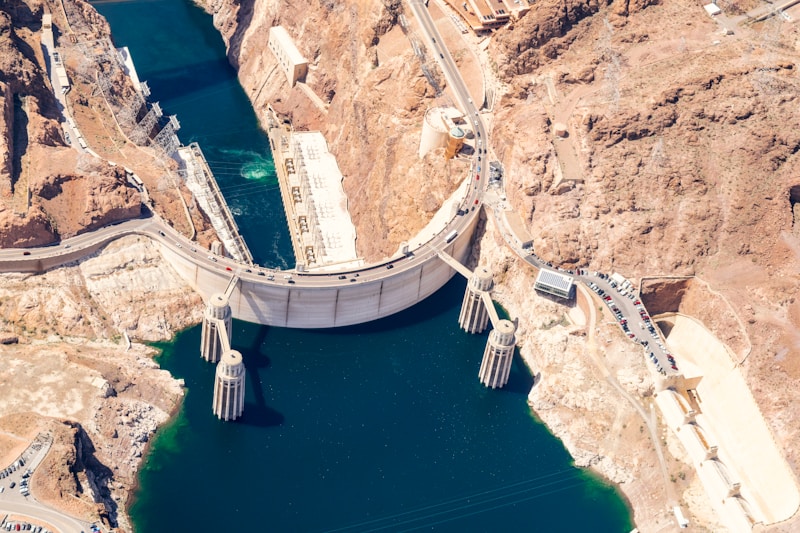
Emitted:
<point x="13" y="502"/>
<point x="460" y="93"/>
<point x="12" y="260"/>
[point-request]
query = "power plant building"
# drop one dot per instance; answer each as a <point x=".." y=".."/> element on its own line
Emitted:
<point x="483" y="15"/>
<point x="442" y="127"/>
<point x="293" y="63"/>
<point x="554" y="283"/>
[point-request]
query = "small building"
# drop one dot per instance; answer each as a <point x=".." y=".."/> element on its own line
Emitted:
<point x="442" y="128"/>
<point x="554" y="283"/>
<point x="619" y="279"/>
<point x="484" y="15"/>
<point x="47" y="31"/>
<point x="293" y="63"/>
<point x="712" y="9"/>
<point x="455" y="141"/>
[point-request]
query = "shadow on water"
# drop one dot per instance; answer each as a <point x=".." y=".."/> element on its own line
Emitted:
<point x="257" y="414"/>
<point x="180" y="83"/>
<point x="440" y="303"/>
<point x="520" y="380"/>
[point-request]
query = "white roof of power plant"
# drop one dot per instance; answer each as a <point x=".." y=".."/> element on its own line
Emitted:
<point x="327" y="195"/>
<point x="294" y="55"/>
<point x="555" y="280"/>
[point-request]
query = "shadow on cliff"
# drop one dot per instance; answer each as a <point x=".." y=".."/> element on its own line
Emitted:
<point x="259" y="413"/>
<point x="243" y="18"/>
<point x="443" y="301"/>
<point x="97" y="474"/>
<point x="520" y="380"/>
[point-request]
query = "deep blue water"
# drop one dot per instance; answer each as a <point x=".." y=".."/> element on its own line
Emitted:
<point x="182" y="58"/>
<point x="379" y="427"/>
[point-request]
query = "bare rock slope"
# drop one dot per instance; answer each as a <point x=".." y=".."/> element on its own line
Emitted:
<point x="47" y="191"/>
<point x="374" y="105"/>
<point x="678" y="161"/>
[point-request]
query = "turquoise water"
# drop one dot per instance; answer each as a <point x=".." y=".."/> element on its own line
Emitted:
<point x="182" y="58"/>
<point x="379" y="427"/>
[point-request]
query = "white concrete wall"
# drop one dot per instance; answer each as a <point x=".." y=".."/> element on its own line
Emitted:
<point x="278" y="303"/>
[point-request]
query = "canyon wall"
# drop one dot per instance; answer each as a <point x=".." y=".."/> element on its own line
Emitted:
<point x="47" y="191"/>
<point x="374" y="102"/>
<point x="74" y="375"/>
<point x="677" y="161"/>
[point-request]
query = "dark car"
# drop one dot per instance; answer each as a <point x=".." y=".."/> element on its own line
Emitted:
<point x="26" y="253"/>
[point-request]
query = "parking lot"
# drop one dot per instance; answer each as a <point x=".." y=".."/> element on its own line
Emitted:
<point x="19" y="510"/>
<point x="632" y="317"/>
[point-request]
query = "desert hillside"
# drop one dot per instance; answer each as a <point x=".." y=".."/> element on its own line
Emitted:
<point x="680" y="157"/>
<point x="678" y="170"/>
<point x="683" y="163"/>
<point x="375" y="95"/>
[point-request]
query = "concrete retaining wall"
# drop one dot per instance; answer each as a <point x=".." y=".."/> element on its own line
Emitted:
<point x="278" y="303"/>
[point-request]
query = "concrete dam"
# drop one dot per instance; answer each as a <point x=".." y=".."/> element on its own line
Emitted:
<point x="323" y="300"/>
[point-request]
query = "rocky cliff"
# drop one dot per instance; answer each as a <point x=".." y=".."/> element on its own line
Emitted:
<point x="74" y="364"/>
<point x="373" y="104"/>
<point x="47" y="192"/>
<point x="676" y="161"/>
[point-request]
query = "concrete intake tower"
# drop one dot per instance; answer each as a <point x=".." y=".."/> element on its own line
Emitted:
<point x="496" y="364"/>
<point x="216" y="332"/>
<point x="229" y="386"/>
<point x="474" y="316"/>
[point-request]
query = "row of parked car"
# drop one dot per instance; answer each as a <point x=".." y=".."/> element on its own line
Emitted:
<point x="12" y="468"/>
<point x="24" y="526"/>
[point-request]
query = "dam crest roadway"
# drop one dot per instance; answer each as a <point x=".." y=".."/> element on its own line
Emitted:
<point x="291" y="298"/>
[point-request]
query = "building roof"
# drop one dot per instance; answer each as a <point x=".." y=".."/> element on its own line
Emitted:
<point x="294" y="55"/>
<point x="457" y="132"/>
<point x="518" y="227"/>
<point x="328" y="198"/>
<point x="556" y="280"/>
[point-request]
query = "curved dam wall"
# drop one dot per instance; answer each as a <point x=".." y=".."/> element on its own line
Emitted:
<point x="324" y="301"/>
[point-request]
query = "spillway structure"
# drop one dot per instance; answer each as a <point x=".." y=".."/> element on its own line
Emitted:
<point x="229" y="386"/>
<point x="474" y="316"/>
<point x="497" y="357"/>
<point x="216" y="329"/>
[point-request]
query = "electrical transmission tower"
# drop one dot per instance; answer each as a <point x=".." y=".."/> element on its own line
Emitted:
<point x="143" y="129"/>
<point x="166" y="138"/>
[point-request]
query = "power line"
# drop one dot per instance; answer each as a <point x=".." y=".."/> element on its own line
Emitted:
<point x="468" y="503"/>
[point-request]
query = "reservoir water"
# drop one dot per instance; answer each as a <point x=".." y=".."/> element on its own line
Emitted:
<point x="379" y="427"/>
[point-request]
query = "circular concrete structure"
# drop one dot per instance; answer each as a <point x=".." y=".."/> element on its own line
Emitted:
<point x="503" y="333"/>
<point x="218" y="306"/>
<point x="216" y="324"/>
<point x="481" y="279"/>
<point x="496" y="364"/>
<point x="229" y="386"/>
<point x="434" y="132"/>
